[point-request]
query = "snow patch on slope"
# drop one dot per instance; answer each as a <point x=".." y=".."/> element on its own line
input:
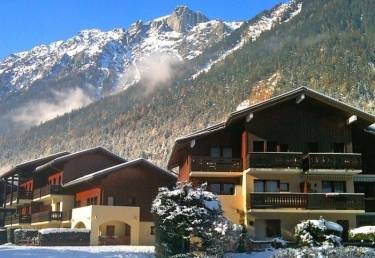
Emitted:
<point x="255" y="29"/>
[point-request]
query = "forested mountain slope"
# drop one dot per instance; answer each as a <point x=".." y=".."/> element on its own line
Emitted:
<point x="329" y="46"/>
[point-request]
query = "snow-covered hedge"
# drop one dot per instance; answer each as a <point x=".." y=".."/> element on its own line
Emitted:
<point x="25" y="236"/>
<point x="363" y="234"/>
<point x="64" y="236"/>
<point x="318" y="232"/>
<point x="331" y="252"/>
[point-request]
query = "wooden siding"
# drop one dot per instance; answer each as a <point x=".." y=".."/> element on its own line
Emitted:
<point x="134" y="186"/>
<point x="27" y="185"/>
<point x="56" y="178"/>
<point x="299" y="124"/>
<point x="185" y="168"/>
<point x="82" y="196"/>
<point x="86" y="164"/>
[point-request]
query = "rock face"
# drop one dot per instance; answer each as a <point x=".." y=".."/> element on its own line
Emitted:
<point x="100" y="58"/>
<point x="183" y="19"/>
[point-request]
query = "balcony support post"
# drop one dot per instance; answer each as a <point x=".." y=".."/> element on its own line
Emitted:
<point x="5" y="192"/>
<point x="11" y="190"/>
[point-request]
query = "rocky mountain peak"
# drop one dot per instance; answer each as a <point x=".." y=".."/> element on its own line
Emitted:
<point x="183" y="19"/>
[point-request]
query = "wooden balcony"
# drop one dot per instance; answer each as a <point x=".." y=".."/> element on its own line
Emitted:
<point x="19" y="195"/>
<point x="275" y="160"/>
<point x="46" y="190"/>
<point x="46" y="216"/>
<point x="310" y="201"/>
<point x="15" y="219"/>
<point x="333" y="161"/>
<point x="206" y="163"/>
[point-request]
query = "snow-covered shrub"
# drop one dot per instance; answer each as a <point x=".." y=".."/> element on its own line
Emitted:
<point x="363" y="234"/>
<point x="185" y="213"/>
<point x="327" y="251"/>
<point x="25" y="236"/>
<point x="64" y="236"/>
<point x="318" y="232"/>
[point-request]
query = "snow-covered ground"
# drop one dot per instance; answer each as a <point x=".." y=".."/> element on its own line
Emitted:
<point x="12" y="251"/>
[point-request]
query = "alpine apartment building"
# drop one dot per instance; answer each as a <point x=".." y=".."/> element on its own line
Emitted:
<point x="93" y="189"/>
<point x="300" y="155"/>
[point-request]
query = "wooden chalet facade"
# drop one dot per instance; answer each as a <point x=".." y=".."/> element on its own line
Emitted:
<point x="92" y="189"/>
<point x="296" y="156"/>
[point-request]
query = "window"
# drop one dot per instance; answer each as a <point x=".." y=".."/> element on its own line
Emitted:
<point x="266" y="186"/>
<point x="221" y="188"/>
<point x="339" y="186"/>
<point x="228" y="189"/>
<point x="215" y="152"/>
<point x="111" y="201"/>
<point x="313" y="147"/>
<point x="77" y="203"/>
<point x="333" y="186"/>
<point x="152" y="230"/>
<point x="339" y="147"/>
<point x="92" y="201"/>
<point x="259" y="186"/>
<point x="227" y="152"/>
<point x="273" y="227"/>
<point x="271" y="146"/>
<point x="284" y="187"/>
<point x="214" y="188"/>
<point x="258" y="146"/>
<point x="272" y="186"/>
<point x="131" y="201"/>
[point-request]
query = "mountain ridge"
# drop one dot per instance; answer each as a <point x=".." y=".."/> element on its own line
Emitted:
<point x="323" y="47"/>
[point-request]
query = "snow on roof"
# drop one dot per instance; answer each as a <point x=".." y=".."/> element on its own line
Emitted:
<point x="329" y="225"/>
<point x="363" y="230"/>
<point x="63" y="230"/>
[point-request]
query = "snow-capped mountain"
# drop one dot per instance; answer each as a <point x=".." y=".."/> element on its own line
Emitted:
<point x="184" y="34"/>
<point x="70" y="74"/>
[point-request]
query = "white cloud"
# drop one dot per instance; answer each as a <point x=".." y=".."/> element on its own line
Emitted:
<point x="34" y="112"/>
<point x="154" y="70"/>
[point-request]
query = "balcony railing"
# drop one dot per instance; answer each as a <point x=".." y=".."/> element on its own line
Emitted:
<point x="339" y="161"/>
<point x="20" y="195"/>
<point x="275" y="159"/>
<point x="17" y="219"/>
<point x="46" y="190"/>
<point x="313" y="201"/>
<point x="205" y="163"/>
<point x="47" y="216"/>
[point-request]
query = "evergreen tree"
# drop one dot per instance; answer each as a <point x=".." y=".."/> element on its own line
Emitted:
<point x="187" y="213"/>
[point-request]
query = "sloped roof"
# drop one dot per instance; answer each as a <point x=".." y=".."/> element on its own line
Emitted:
<point x="32" y="164"/>
<point x="109" y="170"/>
<point x="241" y="114"/>
<point x="61" y="160"/>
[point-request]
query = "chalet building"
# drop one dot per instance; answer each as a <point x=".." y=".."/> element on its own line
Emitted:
<point x="297" y="156"/>
<point x="93" y="189"/>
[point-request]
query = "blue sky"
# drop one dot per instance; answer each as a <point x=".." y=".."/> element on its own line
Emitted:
<point x="26" y="23"/>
